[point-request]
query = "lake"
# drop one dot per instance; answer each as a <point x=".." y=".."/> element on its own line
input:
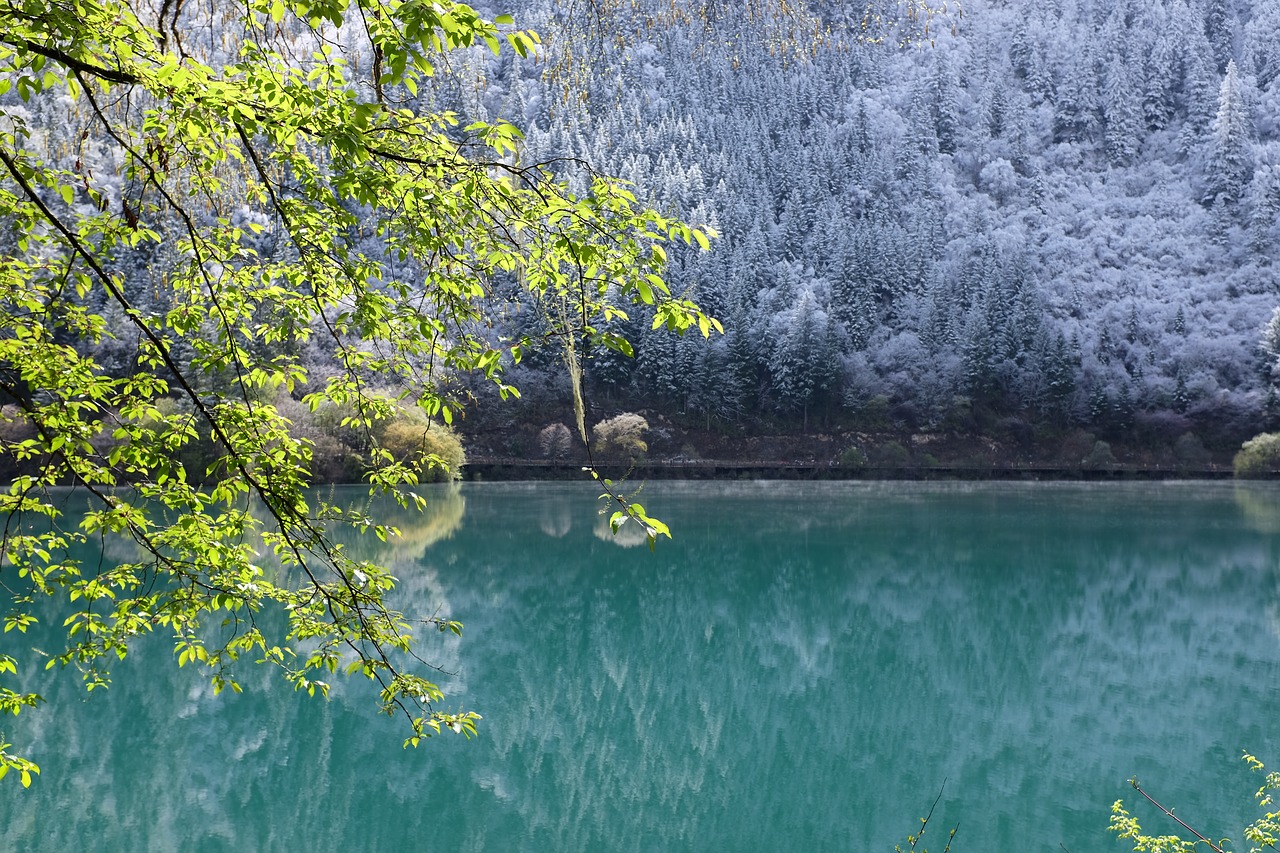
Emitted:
<point x="800" y="670"/>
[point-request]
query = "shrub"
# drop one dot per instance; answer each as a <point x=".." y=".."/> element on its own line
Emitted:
<point x="327" y="419"/>
<point x="1190" y="452"/>
<point x="622" y="436"/>
<point x="1259" y="456"/>
<point x="853" y="458"/>
<point x="334" y="462"/>
<point x="1099" y="457"/>
<point x="872" y="415"/>
<point x="555" y="441"/>
<point x="433" y="449"/>
<point x="1076" y="445"/>
<point x="891" y="455"/>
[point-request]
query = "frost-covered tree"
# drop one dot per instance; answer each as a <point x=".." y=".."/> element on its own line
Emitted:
<point x="1263" y="200"/>
<point x="1219" y="29"/>
<point x="803" y="364"/>
<point x="1075" y="117"/>
<point x="1122" y="112"/>
<point x="1261" y="51"/>
<point x="1229" y="162"/>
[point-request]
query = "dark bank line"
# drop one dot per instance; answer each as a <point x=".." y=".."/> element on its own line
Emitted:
<point x="540" y="469"/>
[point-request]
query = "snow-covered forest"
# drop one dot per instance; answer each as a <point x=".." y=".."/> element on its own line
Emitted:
<point x="1062" y="211"/>
<point x="1059" y="213"/>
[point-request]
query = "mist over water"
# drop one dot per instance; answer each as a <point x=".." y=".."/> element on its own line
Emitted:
<point x="800" y="670"/>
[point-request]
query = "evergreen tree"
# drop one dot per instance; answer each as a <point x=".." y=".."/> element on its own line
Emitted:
<point x="1181" y="396"/>
<point x="1075" y="116"/>
<point x="1261" y="50"/>
<point x="946" y="109"/>
<point x="1220" y="31"/>
<point x="1161" y="79"/>
<point x="1059" y="373"/>
<point x="1021" y="51"/>
<point x="1229" y="164"/>
<point x="1122" y="110"/>
<point x="997" y="110"/>
<point x="922" y="128"/>
<point x="803" y="363"/>
<point x="1201" y="86"/>
<point x="1263" y="199"/>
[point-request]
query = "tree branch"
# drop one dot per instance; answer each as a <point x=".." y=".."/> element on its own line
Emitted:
<point x="1169" y="812"/>
<point x="71" y="62"/>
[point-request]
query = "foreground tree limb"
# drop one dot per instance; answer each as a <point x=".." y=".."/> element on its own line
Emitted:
<point x="389" y="228"/>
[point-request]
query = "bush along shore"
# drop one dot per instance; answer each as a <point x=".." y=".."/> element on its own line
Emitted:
<point x="342" y="449"/>
<point x="648" y="445"/>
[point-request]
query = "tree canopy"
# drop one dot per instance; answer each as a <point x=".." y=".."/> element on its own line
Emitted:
<point x="261" y="201"/>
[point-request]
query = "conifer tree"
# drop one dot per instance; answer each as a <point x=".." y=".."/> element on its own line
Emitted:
<point x="1122" y="112"/>
<point x="1220" y="31"/>
<point x="1229" y="164"/>
<point x="1261" y="50"/>
<point x="1075" y="117"/>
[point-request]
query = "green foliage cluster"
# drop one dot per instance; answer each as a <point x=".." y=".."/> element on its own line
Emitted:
<point x="892" y="454"/>
<point x="1190" y="452"/>
<point x="1262" y="832"/>
<point x="853" y="457"/>
<point x="1259" y="456"/>
<point x="395" y="227"/>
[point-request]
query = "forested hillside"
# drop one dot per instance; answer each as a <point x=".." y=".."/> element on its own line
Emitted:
<point x="1016" y="216"/>
<point x="1059" y="212"/>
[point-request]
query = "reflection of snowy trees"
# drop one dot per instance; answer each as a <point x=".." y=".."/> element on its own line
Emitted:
<point x="802" y="661"/>
<point x="850" y="633"/>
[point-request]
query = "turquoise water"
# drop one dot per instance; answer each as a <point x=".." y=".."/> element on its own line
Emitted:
<point x="800" y="670"/>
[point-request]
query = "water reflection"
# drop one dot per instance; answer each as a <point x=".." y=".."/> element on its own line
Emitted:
<point x="629" y="535"/>
<point x="418" y="529"/>
<point x="1037" y="646"/>
<point x="1261" y="505"/>
<point x="555" y="515"/>
<point x="440" y="518"/>
<point x="800" y="668"/>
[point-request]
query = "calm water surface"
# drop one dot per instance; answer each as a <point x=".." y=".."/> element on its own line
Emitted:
<point x="800" y="670"/>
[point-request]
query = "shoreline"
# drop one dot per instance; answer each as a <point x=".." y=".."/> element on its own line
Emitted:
<point x="510" y="469"/>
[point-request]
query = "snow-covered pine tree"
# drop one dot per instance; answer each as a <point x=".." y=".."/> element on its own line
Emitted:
<point x="1122" y="112"/>
<point x="1229" y="162"/>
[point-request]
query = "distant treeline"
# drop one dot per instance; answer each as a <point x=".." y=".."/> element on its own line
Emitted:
<point x="1061" y="213"/>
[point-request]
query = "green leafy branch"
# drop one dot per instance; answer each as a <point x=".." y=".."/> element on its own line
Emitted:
<point x="320" y="159"/>
<point x="1262" y="832"/>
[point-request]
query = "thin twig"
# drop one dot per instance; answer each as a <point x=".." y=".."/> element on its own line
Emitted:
<point x="1169" y="812"/>
<point x="925" y="820"/>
